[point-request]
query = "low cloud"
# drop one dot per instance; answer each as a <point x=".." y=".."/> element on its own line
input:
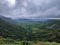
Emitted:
<point x="30" y="8"/>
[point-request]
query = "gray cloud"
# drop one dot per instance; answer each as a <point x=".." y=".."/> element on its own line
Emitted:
<point x="30" y="9"/>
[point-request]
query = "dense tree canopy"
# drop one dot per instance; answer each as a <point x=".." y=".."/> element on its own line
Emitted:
<point x="46" y="31"/>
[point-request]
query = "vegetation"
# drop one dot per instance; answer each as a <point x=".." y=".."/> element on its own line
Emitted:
<point x="48" y="31"/>
<point x="4" y="41"/>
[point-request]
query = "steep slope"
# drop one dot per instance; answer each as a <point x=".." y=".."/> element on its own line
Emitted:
<point x="10" y="30"/>
<point x="53" y="24"/>
<point x="49" y="24"/>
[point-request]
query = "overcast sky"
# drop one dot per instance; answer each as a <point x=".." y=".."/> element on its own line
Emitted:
<point x="30" y="8"/>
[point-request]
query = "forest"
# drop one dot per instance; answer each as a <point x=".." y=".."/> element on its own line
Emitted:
<point x="46" y="31"/>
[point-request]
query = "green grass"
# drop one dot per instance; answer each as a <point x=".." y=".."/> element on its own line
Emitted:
<point x="34" y="44"/>
<point x="4" y="41"/>
<point x="38" y="43"/>
<point x="47" y="43"/>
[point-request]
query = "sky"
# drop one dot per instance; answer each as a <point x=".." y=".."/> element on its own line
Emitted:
<point x="32" y="9"/>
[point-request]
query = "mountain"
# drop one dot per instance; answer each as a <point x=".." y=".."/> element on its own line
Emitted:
<point x="23" y="20"/>
<point x="50" y="24"/>
<point x="9" y="30"/>
<point x="30" y="20"/>
<point x="6" y="19"/>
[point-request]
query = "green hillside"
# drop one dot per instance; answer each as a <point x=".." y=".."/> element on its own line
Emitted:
<point x="9" y="30"/>
<point x="45" y="31"/>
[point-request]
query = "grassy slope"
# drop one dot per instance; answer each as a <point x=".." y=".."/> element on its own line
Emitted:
<point x="4" y="41"/>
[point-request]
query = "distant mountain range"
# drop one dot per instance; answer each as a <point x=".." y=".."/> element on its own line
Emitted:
<point x="21" y="20"/>
<point x="24" y="20"/>
<point x="6" y="19"/>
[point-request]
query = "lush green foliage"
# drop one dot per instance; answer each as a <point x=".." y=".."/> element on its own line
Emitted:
<point x="45" y="31"/>
<point x="4" y="41"/>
